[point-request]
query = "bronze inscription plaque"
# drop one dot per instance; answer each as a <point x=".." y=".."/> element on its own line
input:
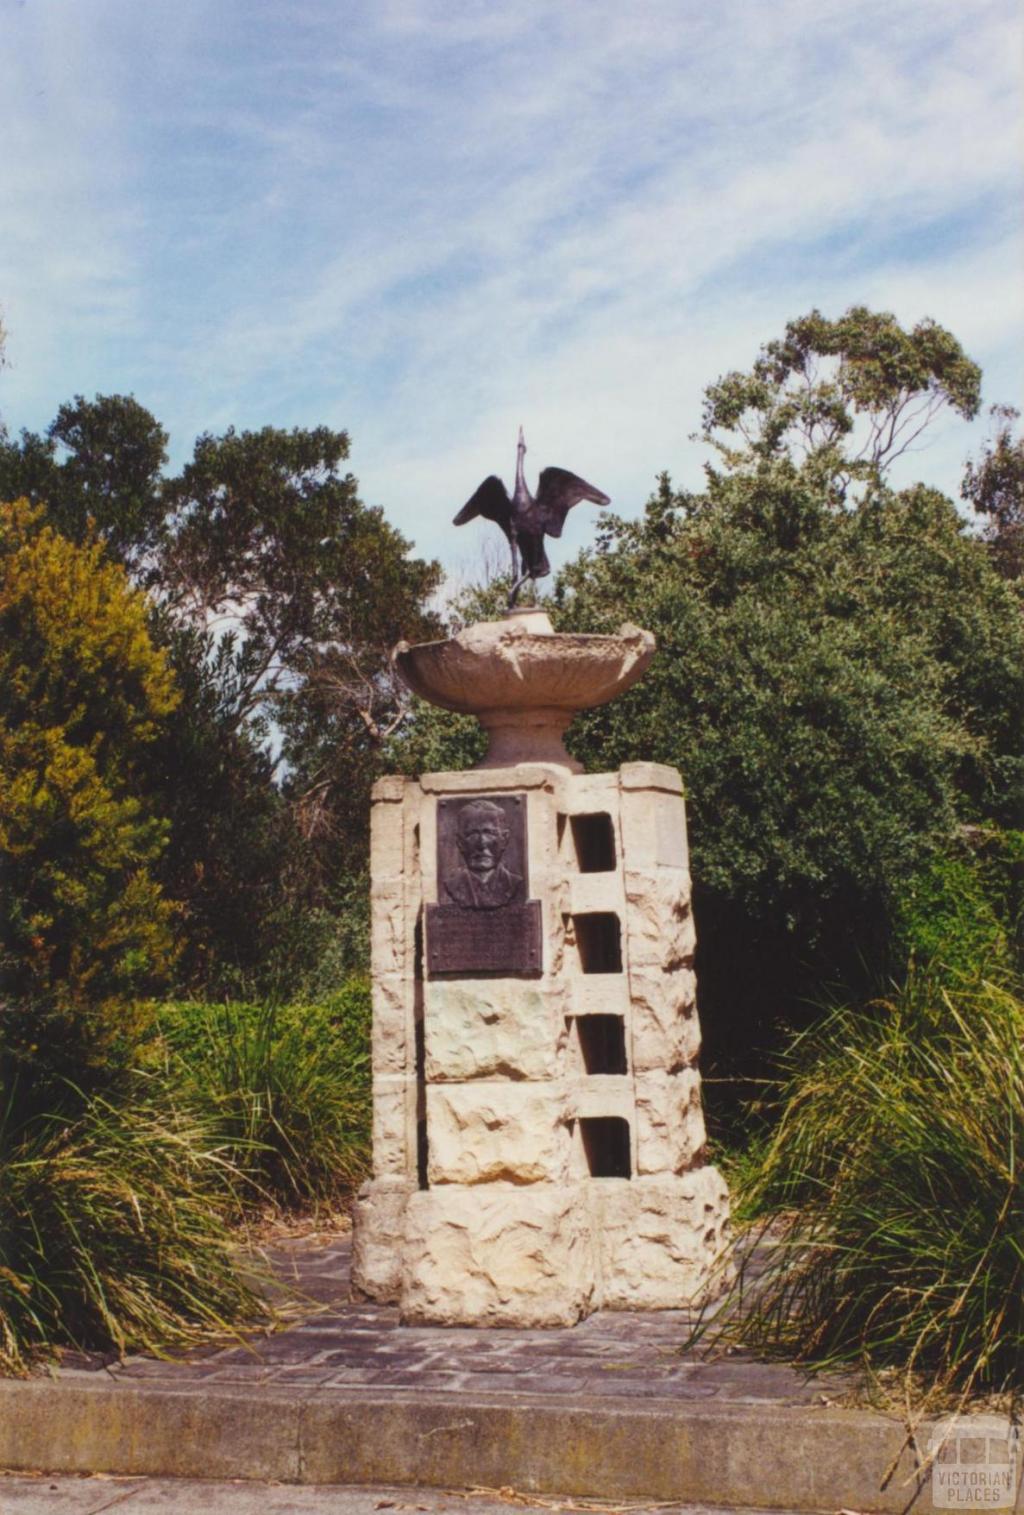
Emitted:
<point x="484" y="921"/>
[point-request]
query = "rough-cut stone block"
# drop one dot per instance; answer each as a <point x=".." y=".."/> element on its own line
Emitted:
<point x="672" y="846"/>
<point x="599" y="994"/>
<point x="670" y="1133"/>
<point x="498" y="1255"/>
<point x="651" y="776"/>
<point x="485" y="780"/>
<point x="551" y="887"/>
<point x="541" y="838"/>
<point x="665" y="1027"/>
<point x="654" y="829"/>
<point x="590" y="1098"/>
<point x="391" y="787"/>
<point x="484" y="1133"/>
<point x="392" y="1010"/>
<point x="596" y="891"/>
<point x="554" y="921"/>
<point x="391" y="1121"/>
<point x="388" y="928"/>
<point x="585" y="792"/>
<point x="387" y="839"/>
<point x="664" y="1241"/>
<point x="659" y="924"/>
<point x="378" y="1238"/>
<point x="493" y="1028"/>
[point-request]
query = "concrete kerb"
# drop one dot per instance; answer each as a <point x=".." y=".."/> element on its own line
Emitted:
<point x="807" y="1459"/>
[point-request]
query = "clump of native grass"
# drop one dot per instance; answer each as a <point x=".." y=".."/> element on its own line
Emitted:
<point x="125" y="1205"/>
<point x="893" y="1187"/>
<point x="287" y="1087"/>
<point x="116" y="1231"/>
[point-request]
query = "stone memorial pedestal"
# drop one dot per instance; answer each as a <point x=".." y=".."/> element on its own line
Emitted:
<point x="538" y="1137"/>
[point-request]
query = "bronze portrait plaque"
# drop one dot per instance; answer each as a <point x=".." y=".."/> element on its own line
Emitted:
<point x="484" y="921"/>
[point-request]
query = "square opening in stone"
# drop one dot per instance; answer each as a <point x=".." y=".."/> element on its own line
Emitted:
<point x="606" y="1146"/>
<point x="593" y="837"/>
<point x="599" y="941"/>
<point x="602" y="1042"/>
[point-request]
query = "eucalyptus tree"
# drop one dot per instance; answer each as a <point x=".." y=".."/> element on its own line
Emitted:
<point x="840" y="675"/>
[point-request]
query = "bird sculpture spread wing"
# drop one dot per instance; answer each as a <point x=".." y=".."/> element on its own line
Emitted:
<point x="557" y="492"/>
<point x="490" y="501"/>
<point x="526" y="520"/>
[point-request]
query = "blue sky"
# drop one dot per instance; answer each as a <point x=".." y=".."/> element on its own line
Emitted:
<point x="427" y="222"/>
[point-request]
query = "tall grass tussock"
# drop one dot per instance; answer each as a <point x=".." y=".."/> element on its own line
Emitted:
<point x="117" y="1232"/>
<point x="894" y="1187"/>
<point x="286" y="1086"/>
<point x="125" y="1207"/>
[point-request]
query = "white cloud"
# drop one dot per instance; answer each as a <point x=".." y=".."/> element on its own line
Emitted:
<point x="429" y="230"/>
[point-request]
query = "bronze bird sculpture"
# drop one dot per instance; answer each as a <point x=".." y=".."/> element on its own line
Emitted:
<point x="527" y="519"/>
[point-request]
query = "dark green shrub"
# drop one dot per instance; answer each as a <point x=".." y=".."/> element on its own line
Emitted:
<point x="841" y="689"/>
<point x="962" y="915"/>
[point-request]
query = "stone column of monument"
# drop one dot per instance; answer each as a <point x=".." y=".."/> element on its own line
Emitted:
<point x="538" y="1135"/>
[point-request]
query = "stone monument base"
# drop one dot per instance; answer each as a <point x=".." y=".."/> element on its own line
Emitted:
<point x="542" y="1254"/>
<point x="538" y="1137"/>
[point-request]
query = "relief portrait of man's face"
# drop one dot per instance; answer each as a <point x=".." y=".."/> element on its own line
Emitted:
<point x="482" y="837"/>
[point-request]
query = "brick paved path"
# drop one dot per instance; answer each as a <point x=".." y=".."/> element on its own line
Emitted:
<point x="351" y="1346"/>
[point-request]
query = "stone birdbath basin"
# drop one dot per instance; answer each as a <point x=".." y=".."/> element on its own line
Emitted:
<point x="524" y="681"/>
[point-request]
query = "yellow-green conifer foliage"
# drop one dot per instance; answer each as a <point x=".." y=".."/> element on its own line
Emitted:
<point x="84" y="928"/>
